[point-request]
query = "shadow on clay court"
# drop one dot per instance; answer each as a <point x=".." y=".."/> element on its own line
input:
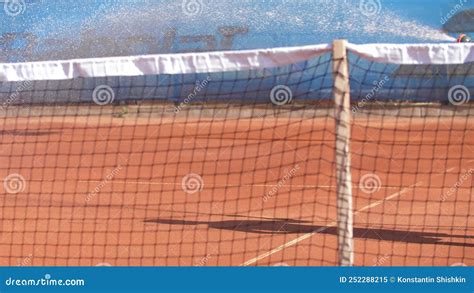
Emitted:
<point x="26" y="133"/>
<point x="289" y="226"/>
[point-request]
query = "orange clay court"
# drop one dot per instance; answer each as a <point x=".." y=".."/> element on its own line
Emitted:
<point x="108" y="190"/>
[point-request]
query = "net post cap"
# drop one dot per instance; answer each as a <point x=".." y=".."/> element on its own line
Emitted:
<point x="340" y="41"/>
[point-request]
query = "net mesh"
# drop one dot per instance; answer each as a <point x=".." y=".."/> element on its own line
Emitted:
<point x="194" y="169"/>
<point x="412" y="149"/>
<point x="237" y="167"/>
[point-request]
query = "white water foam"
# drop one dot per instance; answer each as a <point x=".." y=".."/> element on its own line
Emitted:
<point x="321" y="20"/>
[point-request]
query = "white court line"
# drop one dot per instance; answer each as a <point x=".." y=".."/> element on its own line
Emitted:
<point x="334" y="223"/>
<point x="330" y="225"/>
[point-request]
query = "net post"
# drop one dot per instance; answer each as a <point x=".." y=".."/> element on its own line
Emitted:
<point x="341" y="91"/>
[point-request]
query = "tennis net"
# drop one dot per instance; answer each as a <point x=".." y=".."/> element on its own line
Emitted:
<point x="318" y="155"/>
